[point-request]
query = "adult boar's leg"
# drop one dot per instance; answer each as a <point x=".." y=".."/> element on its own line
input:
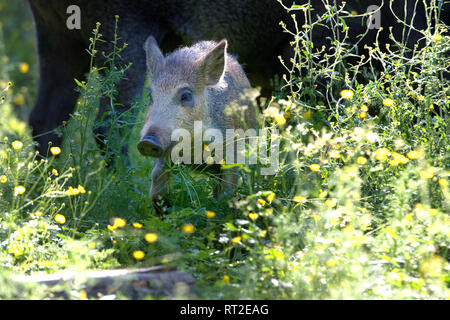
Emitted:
<point x="61" y="59"/>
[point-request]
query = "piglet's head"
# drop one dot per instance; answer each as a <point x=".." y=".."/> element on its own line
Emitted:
<point x="178" y="83"/>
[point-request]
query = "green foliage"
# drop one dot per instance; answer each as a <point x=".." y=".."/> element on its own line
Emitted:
<point x="17" y="50"/>
<point x="358" y="207"/>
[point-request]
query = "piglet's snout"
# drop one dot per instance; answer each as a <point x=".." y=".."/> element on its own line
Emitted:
<point x="150" y="146"/>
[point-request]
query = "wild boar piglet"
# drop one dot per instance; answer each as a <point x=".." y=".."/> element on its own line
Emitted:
<point x="189" y="87"/>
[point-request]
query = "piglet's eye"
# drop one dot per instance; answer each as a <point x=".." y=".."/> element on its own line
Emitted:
<point x="186" y="96"/>
<point x="187" y="100"/>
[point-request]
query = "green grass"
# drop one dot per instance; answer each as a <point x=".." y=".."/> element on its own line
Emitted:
<point x="358" y="207"/>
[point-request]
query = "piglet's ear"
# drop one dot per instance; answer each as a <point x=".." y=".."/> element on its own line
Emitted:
<point x="212" y="65"/>
<point x="154" y="55"/>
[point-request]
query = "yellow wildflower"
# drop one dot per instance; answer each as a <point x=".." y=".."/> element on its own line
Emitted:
<point x="55" y="150"/>
<point x="399" y="158"/>
<point x="188" y="228"/>
<point x="24" y="67"/>
<point x="253" y="216"/>
<point x="137" y="225"/>
<point x="3" y="179"/>
<point x="418" y="206"/>
<point x="138" y="255"/>
<point x="394" y="162"/>
<point x="442" y="182"/>
<point x="261" y="202"/>
<point x="226" y="278"/>
<point x="119" y="223"/>
<point x="151" y="237"/>
<point x="363" y="115"/>
<point x="280" y="120"/>
<point x="19" y="190"/>
<point x="364" y="108"/>
<point x="17" y="145"/>
<point x="388" y="102"/>
<point x="361" y="160"/>
<point x="314" y="167"/>
<point x="71" y="191"/>
<point x="437" y="37"/>
<point x="347" y="94"/>
<point x="413" y="155"/>
<point x="270" y="197"/>
<point x="59" y="218"/>
<point x="16" y="249"/>
<point x="381" y="154"/>
<point x="81" y="189"/>
<point x="331" y="263"/>
<point x="426" y="174"/>
<point x="300" y="199"/>
<point x="236" y="239"/>
<point x="307" y="115"/>
<point x="55" y="172"/>
<point x="210" y="214"/>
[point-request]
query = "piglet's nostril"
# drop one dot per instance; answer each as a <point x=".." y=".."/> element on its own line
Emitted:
<point x="150" y="146"/>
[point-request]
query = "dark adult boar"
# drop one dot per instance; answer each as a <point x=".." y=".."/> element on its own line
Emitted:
<point x="251" y="27"/>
